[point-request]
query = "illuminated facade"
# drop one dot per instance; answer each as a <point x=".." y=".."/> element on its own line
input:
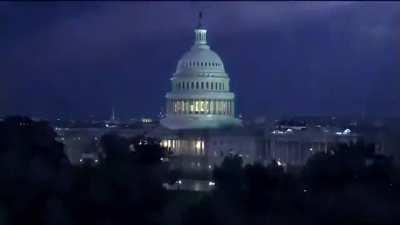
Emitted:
<point x="200" y="96"/>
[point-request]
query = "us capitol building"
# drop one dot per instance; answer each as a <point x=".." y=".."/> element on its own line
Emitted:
<point x="200" y="127"/>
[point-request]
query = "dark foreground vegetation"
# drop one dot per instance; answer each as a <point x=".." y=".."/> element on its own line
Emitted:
<point x="348" y="185"/>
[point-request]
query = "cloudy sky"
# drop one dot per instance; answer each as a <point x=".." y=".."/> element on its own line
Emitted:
<point x="76" y="59"/>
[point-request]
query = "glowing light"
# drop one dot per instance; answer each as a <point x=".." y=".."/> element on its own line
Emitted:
<point x="147" y="120"/>
<point x="198" y="144"/>
<point x="347" y="131"/>
<point x="211" y="183"/>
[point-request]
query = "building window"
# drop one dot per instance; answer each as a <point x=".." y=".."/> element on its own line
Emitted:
<point x="206" y="85"/>
<point x="192" y="85"/>
<point x="197" y="85"/>
<point x="202" y="85"/>
<point x="212" y="85"/>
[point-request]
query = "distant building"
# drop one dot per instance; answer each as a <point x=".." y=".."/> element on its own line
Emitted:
<point x="295" y="144"/>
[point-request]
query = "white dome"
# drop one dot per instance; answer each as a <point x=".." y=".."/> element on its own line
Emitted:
<point x="200" y="96"/>
<point x="200" y="58"/>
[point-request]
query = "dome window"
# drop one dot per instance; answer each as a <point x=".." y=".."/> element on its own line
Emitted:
<point x="202" y="85"/>
<point x="192" y="85"/>
<point x="206" y="85"/>
<point x="197" y="85"/>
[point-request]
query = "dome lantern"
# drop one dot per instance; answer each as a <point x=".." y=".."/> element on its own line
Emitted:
<point x="201" y="33"/>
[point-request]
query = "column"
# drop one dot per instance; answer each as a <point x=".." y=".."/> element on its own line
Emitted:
<point x="210" y="106"/>
<point x="214" y="107"/>
<point x="232" y="108"/>
<point x="229" y="107"/>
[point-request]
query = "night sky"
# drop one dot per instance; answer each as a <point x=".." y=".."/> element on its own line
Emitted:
<point x="73" y="60"/>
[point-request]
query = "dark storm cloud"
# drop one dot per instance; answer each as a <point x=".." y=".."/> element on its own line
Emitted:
<point x="75" y="59"/>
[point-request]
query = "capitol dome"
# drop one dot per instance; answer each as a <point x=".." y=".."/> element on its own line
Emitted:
<point x="199" y="58"/>
<point x="200" y="96"/>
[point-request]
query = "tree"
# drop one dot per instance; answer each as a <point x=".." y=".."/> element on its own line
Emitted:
<point x="228" y="177"/>
<point x="32" y="166"/>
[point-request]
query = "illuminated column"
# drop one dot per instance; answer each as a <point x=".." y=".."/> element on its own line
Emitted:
<point x="224" y="107"/>
<point x="182" y="107"/>
<point x="210" y="108"/>
<point x="233" y="108"/>
<point x="213" y="106"/>
<point x="229" y="107"/>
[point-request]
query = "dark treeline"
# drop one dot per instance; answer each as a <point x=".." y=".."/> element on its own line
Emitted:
<point x="347" y="185"/>
<point x="39" y="186"/>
